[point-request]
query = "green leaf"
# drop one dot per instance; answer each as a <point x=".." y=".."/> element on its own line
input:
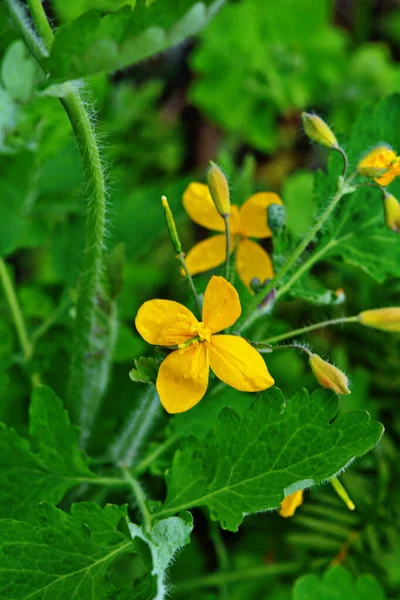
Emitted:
<point x="337" y="584"/>
<point x="357" y="233"/>
<point x="244" y="466"/>
<point x="146" y="370"/>
<point x="46" y="467"/>
<point x="89" y="554"/>
<point x="95" y="44"/>
<point x="18" y="71"/>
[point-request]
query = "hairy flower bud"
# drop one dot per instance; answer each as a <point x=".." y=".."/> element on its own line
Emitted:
<point x="392" y="212"/>
<point x="219" y="189"/>
<point x="378" y="164"/>
<point x="290" y="503"/>
<point x="329" y="376"/>
<point x="276" y="217"/>
<point x="387" y="319"/>
<point x="173" y="234"/>
<point x="318" y="131"/>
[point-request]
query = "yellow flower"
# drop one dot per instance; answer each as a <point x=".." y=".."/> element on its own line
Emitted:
<point x="381" y="163"/>
<point x="183" y="376"/>
<point x="249" y="221"/>
<point x="290" y="503"/>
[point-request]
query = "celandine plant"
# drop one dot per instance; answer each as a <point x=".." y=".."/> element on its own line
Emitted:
<point x="107" y="525"/>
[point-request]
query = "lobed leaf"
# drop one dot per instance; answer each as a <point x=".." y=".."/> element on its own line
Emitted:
<point x="44" y="468"/>
<point x="93" y="553"/>
<point x="244" y="466"/>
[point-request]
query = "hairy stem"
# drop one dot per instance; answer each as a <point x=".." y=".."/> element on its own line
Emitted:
<point x="295" y="332"/>
<point x="140" y="498"/>
<point x="136" y="429"/>
<point x="151" y="457"/>
<point x="41" y="22"/>
<point x="344" y="188"/>
<point x="15" y="310"/>
<point x="84" y="391"/>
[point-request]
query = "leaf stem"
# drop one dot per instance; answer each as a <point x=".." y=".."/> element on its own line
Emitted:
<point x="228" y="247"/>
<point x="302" y="330"/>
<point x="344" y="188"/>
<point x="220" y="578"/>
<point x="15" y="310"/>
<point x="41" y="22"/>
<point x="140" y="497"/>
<point x="181" y="258"/>
<point x="147" y="460"/>
<point x="50" y="321"/>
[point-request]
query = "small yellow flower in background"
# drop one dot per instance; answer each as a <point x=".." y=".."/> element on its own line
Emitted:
<point x="392" y="212"/>
<point x="318" y="131"/>
<point x="252" y="261"/>
<point x="329" y="376"/>
<point x="291" y="503"/>
<point x="381" y="163"/>
<point x="387" y="319"/>
<point x="183" y="376"/>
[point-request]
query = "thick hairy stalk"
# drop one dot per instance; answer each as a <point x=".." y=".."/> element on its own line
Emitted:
<point x="88" y="373"/>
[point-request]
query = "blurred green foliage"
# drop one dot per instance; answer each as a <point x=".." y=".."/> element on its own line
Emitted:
<point x="234" y="95"/>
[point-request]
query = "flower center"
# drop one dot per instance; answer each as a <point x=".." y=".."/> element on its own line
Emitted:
<point x="202" y="331"/>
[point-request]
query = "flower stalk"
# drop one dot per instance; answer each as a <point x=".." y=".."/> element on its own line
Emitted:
<point x="345" y="187"/>
<point x="84" y="391"/>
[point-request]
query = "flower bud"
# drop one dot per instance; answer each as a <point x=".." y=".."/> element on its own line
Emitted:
<point x="387" y="319"/>
<point x="290" y="503"/>
<point x="377" y="164"/>
<point x="276" y="217"/>
<point x="392" y="212"/>
<point x="318" y="131"/>
<point x="329" y="376"/>
<point x="341" y="492"/>
<point x="173" y="234"/>
<point x="219" y="189"/>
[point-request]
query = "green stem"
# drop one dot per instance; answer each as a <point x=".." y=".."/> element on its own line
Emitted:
<point x="35" y="45"/>
<point x="41" y="22"/>
<point x="151" y="457"/>
<point x="136" y="429"/>
<point x="228" y="247"/>
<point x="83" y="404"/>
<point x="222" y="555"/>
<point x="140" y="498"/>
<point x="83" y="390"/>
<point x="181" y="258"/>
<point x="344" y="188"/>
<point x="302" y="330"/>
<point x="15" y="311"/>
<point x="50" y="321"/>
<point x="220" y="579"/>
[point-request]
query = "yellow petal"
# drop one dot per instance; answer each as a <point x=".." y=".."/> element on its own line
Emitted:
<point x="388" y="177"/>
<point x="254" y="214"/>
<point x="201" y="208"/>
<point x="165" y="323"/>
<point x="253" y="261"/>
<point x="206" y="255"/>
<point x="290" y="503"/>
<point x="183" y="378"/>
<point x="221" y="305"/>
<point x="238" y="364"/>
